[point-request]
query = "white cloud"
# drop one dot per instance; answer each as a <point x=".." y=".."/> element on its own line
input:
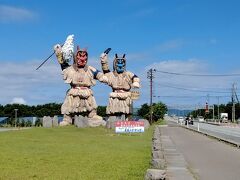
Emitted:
<point x="46" y="85"/>
<point x="22" y="80"/>
<point x="18" y="100"/>
<point x="164" y="84"/>
<point x="13" y="14"/>
<point x="42" y="86"/>
<point x="181" y="66"/>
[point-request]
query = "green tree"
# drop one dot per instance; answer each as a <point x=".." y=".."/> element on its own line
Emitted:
<point x="38" y="122"/>
<point x="1" y="110"/>
<point x="101" y="111"/>
<point x="159" y="109"/>
<point x="49" y="109"/>
<point x="144" y="111"/>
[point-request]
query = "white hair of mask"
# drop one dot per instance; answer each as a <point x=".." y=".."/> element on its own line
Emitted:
<point x="68" y="48"/>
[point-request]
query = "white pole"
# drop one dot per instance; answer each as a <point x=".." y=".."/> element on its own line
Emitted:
<point x="198" y="126"/>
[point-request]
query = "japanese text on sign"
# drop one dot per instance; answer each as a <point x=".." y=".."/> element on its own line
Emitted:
<point x="129" y="126"/>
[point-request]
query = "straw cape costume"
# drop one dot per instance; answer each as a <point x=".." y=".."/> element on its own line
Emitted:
<point x="121" y="81"/>
<point x="81" y="77"/>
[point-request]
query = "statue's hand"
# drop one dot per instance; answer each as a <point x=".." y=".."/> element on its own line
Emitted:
<point x="58" y="51"/>
<point x="136" y="82"/>
<point x="57" y="48"/>
<point x="136" y="85"/>
<point x="104" y="58"/>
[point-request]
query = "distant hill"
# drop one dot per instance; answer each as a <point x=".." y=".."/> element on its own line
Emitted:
<point x="178" y="112"/>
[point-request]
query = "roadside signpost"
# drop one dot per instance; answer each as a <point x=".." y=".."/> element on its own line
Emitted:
<point x="129" y="126"/>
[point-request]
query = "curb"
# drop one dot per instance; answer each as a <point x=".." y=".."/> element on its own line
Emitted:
<point x="158" y="161"/>
<point x="166" y="162"/>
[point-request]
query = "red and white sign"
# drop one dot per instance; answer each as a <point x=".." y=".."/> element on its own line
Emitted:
<point x="206" y="108"/>
<point x="129" y="126"/>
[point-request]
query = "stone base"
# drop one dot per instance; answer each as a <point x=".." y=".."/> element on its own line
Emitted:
<point x="111" y="122"/>
<point x="55" y="121"/>
<point x="83" y="122"/>
<point x="49" y="122"/>
<point x="96" y="123"/>
<point x="146" y="123"/>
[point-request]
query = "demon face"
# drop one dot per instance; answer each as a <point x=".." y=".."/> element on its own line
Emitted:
<point x="119" y="64"/>
<point x="81" y="58"/>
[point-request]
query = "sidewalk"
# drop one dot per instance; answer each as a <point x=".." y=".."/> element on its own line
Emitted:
<point x="177" y="167"/>
<point x="13" y="129"/>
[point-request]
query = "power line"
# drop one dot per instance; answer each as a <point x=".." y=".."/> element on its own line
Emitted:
<point x="188" y="96"/>
<point x="185" y="74"/>
<point x="194" y="88"/>
<point x="188" y="89"/>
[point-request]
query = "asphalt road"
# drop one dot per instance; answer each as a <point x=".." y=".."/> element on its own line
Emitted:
<point x="207" y="158"/>
<point x="227" y="132"/>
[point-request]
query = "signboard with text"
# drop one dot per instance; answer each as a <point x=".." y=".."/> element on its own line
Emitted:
<point x="129" y="126"/>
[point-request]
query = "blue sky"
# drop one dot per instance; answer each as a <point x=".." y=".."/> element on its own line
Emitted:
<point x="185" y="36"/>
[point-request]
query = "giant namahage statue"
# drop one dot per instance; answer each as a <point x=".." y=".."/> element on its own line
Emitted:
<point x="81" y="77"/>
<point x="121" y="81"/>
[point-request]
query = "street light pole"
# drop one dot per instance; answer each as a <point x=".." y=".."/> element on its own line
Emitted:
<point x="15" y="117"/>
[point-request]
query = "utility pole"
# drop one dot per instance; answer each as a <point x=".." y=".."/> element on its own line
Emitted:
<point x="233" y="104"/>
<point x="208" y="99"/>
<point x="15" y="117"/>
<point x="150" y="76"/>
<point x="234" y="98"/>
<point x="218" y="108"/>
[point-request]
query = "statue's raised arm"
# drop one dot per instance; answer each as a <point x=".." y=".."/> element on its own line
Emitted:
<point x="121" y="81"/>
<point x="65" y="53"/>
<point x="104" y="61"/>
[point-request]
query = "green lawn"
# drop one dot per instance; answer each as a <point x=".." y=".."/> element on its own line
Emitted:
<point x="74" y="153"/>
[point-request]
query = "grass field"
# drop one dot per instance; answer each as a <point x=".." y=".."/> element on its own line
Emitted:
<point x="74" y="153"/>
